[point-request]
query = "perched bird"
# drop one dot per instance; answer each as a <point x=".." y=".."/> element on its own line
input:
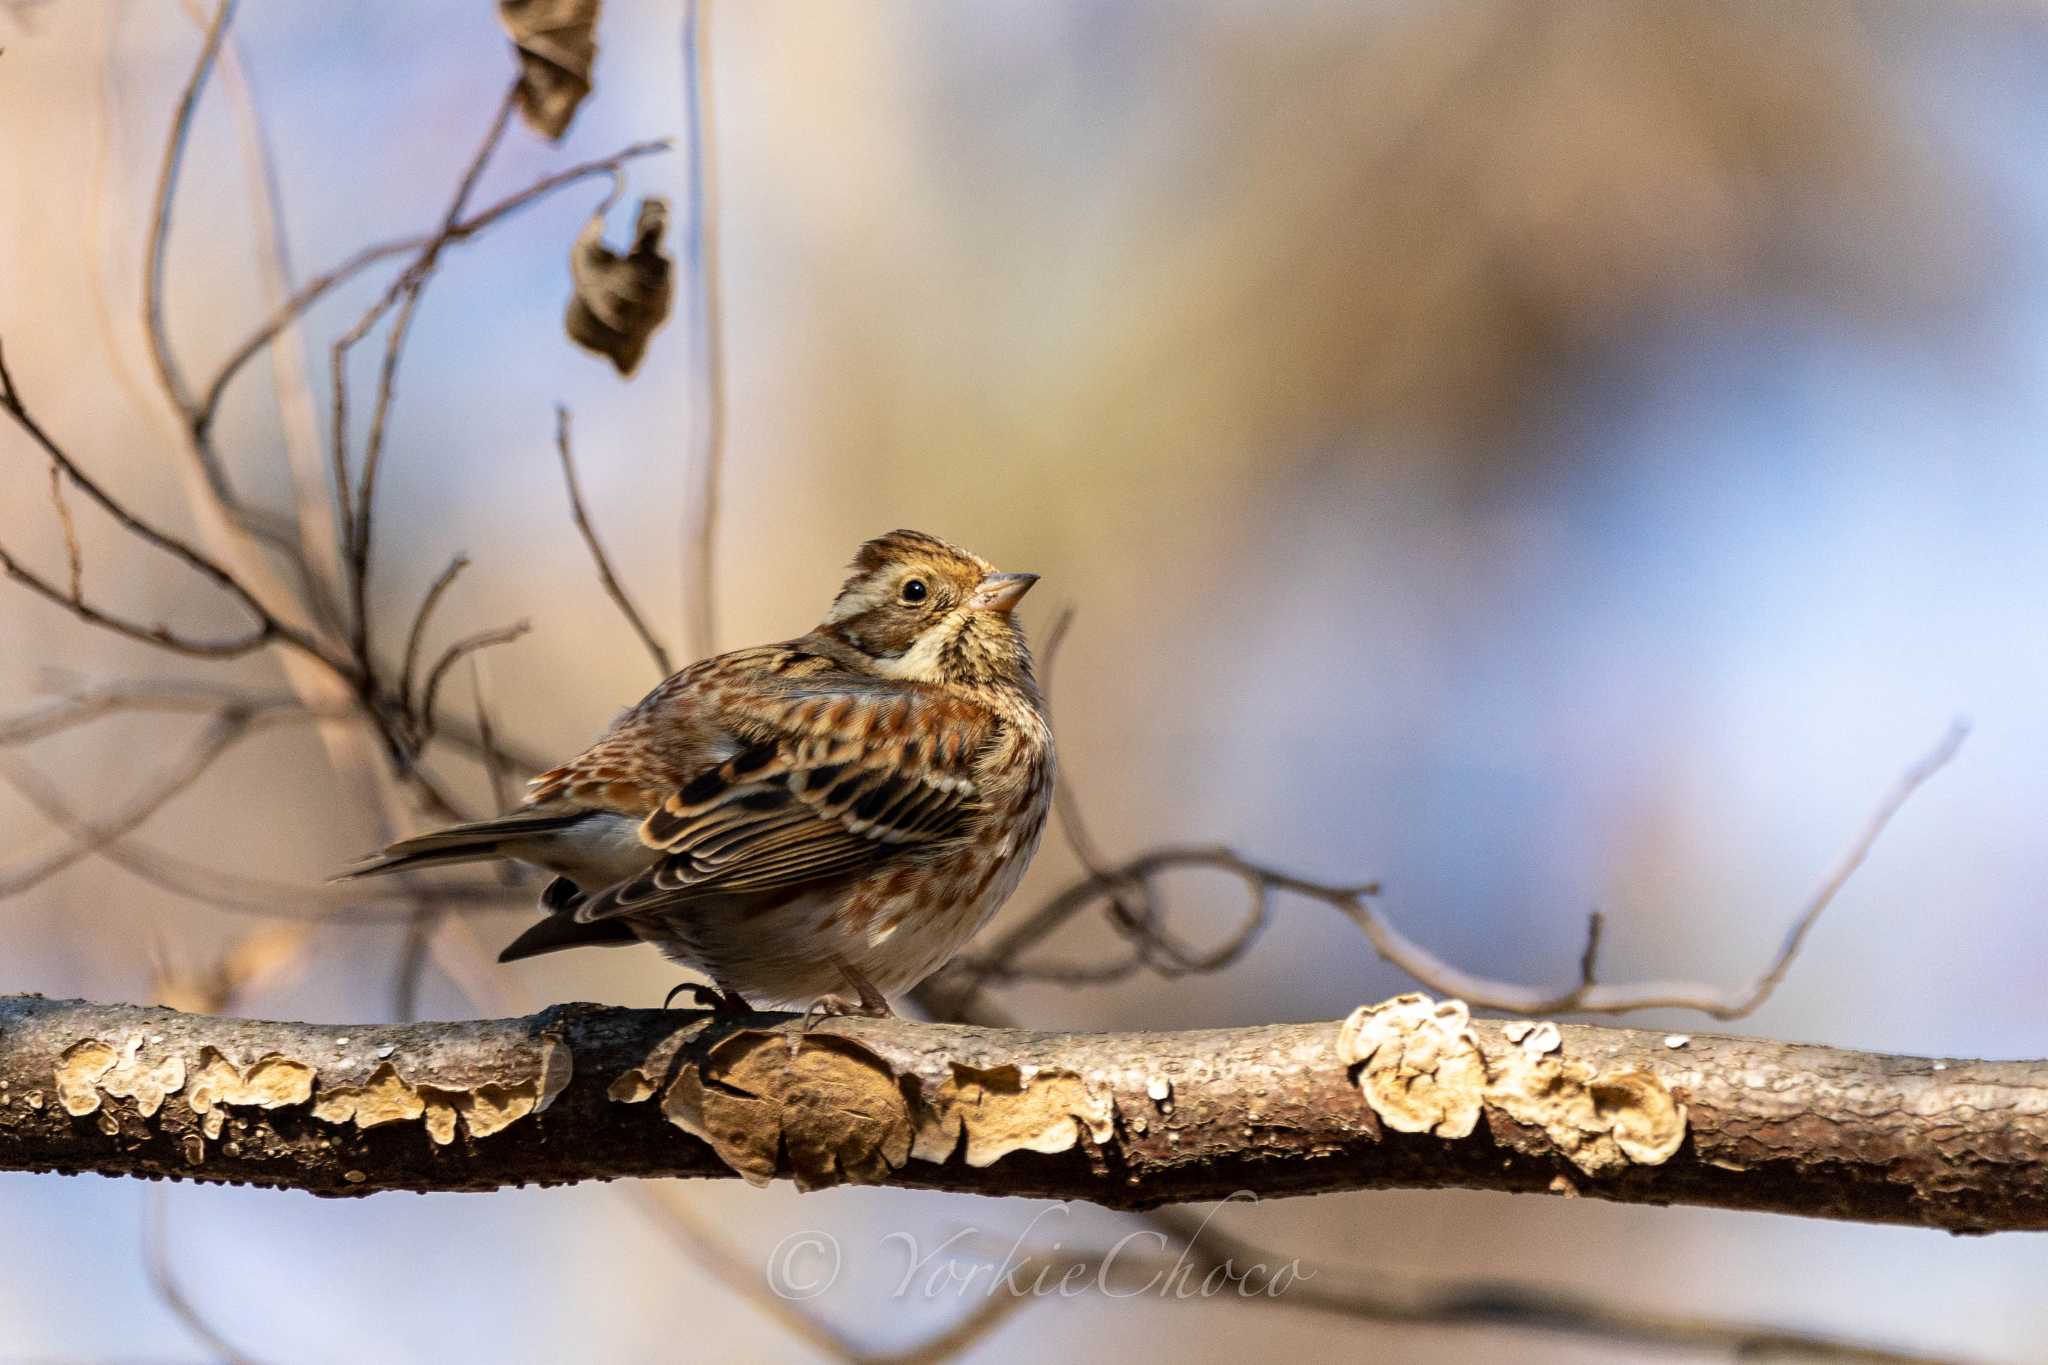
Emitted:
<point x="840" y="812"/>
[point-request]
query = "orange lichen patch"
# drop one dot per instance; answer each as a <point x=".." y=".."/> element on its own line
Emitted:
<point x="78" y="1075"/>
<point x="482" y="1109"/>
<point x="90" y="1067"/>
<point x="270" y="1082"/>
<point x="1002" y="1110"/>
<point x="384" y="1098"/>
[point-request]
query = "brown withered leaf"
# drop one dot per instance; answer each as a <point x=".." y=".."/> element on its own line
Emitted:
<point x="621" y="300"/>
<point x="557" y="43"/>
<point x="834" y="1110"/>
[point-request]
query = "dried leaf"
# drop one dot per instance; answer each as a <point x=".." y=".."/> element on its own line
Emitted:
<point x="621" y="300"/>
<point x="557" y="44"/>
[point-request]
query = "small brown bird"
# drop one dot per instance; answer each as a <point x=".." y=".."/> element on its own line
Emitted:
<point x="839" y="812"/>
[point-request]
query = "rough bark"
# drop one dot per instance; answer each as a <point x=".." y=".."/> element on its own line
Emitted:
<point x="1408" y="1094"/>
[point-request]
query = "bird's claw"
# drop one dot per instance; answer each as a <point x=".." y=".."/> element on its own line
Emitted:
<point x="722" y="1004"/>
<point x="838" y="1007"/>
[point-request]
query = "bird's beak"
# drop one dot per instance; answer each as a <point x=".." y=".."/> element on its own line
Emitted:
<point x="1001" y="591"/>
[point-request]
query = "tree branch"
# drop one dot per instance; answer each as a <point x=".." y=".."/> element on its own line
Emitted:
<point x="707" y="346"/>
<point x="319" y="286"/>
<point x="269" y="625"/>
<point x="605" y="574"/>
<point x="1135" y="907"/>
<point x="581" y="1092"/>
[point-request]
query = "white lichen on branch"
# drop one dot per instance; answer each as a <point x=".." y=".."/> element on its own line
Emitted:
<point x="1421" y="1068"/>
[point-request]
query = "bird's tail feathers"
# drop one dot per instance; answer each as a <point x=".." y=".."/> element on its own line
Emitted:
<point x="466" y="843"/>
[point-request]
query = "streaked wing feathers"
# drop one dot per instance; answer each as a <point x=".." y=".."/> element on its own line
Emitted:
<point x="793" y="810"/>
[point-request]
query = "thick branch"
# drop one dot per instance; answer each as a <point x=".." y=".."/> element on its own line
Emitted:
<point x="582" y="1092"/>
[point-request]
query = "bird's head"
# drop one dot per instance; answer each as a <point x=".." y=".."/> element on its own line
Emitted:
<point x="921" y="610"/>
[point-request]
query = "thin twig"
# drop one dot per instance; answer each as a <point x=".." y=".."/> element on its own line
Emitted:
<point x="406" y="294"/>
<point x="410" y="967"/>
<point x="494" y="762"/>
<point x="1065" y="805"/>
<point x="612" y="587"/>
<point x="173" y="696"/>
<point x="707" y="352"/>
<point x="269" y="627"/>
<point x="84" y="704"/>
<point x="696" y="1238"/>
<point x="1589" y="958"/>
<point x="222" y="733"/>
<point x="160" y="354"/>
<point x="264" y="525"/>
<point x="156" y="1258"/>
<point x="408" y="670"/>
<point x="1156" y="949"/>
<point x="1373" y="1297"/>
<point x="320" y="285"/>
<point x="319" y="552"/>
<point x="455" y="654"/>
<point x="159" y="635"/>
<point x="234" y="892"/>
<point x="70" y="529"/>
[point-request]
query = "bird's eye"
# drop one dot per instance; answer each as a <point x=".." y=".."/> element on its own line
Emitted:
<point x="915" y="591"/>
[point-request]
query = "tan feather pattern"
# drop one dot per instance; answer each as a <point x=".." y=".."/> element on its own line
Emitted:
<point x="851" y="779"/>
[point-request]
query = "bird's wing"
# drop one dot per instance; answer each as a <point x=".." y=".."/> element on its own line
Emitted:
<point x="841" y="781"/>
<point x="663" y="741"/>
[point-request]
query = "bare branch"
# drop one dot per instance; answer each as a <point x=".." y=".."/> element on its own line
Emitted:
<point x="1763" y="1126"/>
<point x="249" y="520"/>
<point x="455" y="654"/>
<point x="70" y="528"/>
<point x="270" y="626"/>
<point x="156" y="1259"/>
<point x="166" y="696"/>
<point x="1377" y="1297"/>
<point x="232" y="892"/>
<point x="612" y="587"/>
<point x="409" y="668"/>
<point x="159" y="635"/>
<point x="411" y="964"/>
<point x="696" y="1238"/>
<point x="405" y="293"/>
<point x="1374" y="1296"/>
<point x="707" y="349"/>
<point x="320" y="285"/>
<point x="221" y="734"/>
<point x="1066" y="806"/>
<point x="1589" y="958"/>
<point x="1739" y="1004"/>
<point x="318" y="560"/>
<point x="1132" y="901"/>
<point x="160" y="230"/>
<point x="493" y="760"/>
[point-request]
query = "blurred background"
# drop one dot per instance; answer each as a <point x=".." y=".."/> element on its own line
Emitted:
<point x="1545" y="458"/>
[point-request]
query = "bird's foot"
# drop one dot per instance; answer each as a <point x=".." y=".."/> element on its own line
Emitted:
<point x="868" y="1003"/>
<point x="722" y="1004"/>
